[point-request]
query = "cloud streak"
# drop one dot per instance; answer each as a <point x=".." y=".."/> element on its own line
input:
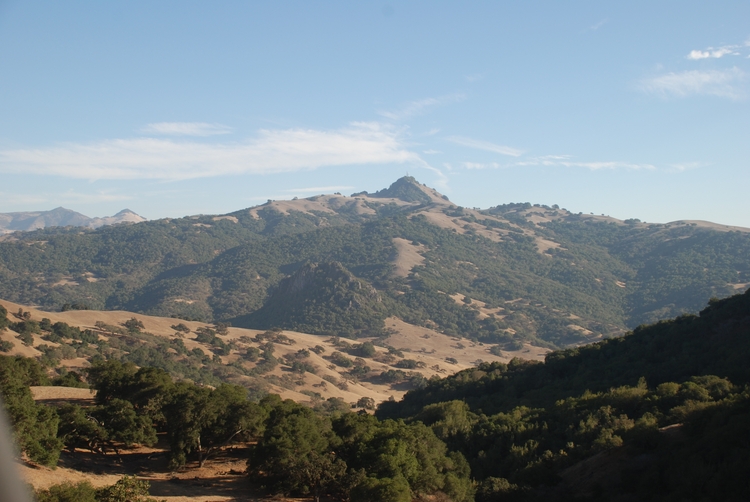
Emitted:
<point x="715" y="54"/>
<point x="68" y="197"/>
<point x="186" y="129"/>
<point x="271" y="151"/>
<point x="598" y="25"/>
<point x="721" y="83"/>
<point x="420" y="106"/>
<point x="567" y="161"/>
<point x="485" y="145"/>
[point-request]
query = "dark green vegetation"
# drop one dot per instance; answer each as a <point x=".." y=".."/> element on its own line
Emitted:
<point x="127" y="489"/>
<point x="660" y="414"/>
<point x="336" y="255"/>
<point x="35" y="426"/>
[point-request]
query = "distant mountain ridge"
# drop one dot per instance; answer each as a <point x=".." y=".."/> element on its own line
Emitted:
<point x="509" y="274"/>
<point x="60" y="217"/>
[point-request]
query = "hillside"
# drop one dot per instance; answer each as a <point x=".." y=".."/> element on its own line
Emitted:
<point x="209" y="354"/>
<point x="510" y="274"/>
<point x="715" y="342"/>
<point x="660" y="414"/>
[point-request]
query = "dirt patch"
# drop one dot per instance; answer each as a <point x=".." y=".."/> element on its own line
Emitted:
<point x="543" y="245"/>
<point x="220" y="479"/>
<point x="56" y="396"/>
<point x="233" y="219"/>
<point x="408" y="256"/>
<point x="19" y="349"/>
<point x="65" y="281"/>
<point x="433" y="348"/>
<point x="442" y="220"/>
<point x="478" y="305"/>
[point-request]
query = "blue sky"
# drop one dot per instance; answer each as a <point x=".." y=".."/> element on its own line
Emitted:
<point x="630" y="109"/>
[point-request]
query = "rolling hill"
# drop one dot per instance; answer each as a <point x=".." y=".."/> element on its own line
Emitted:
<point x="507" y="275"/>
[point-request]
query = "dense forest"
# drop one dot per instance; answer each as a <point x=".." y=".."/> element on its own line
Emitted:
<point x="510" y="273"/>
<point x="662" y="413"/>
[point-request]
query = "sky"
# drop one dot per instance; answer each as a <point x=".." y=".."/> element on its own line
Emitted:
<point x="634" y="109"/>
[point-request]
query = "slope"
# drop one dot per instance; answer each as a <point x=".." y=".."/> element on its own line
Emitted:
<point x="509" y="274"/>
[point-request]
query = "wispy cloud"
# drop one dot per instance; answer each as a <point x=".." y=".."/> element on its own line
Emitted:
<point x="713" y="53"/>
<point x="480" y="165"/>
<point x="319" y="189"/>
<point x="474" y="77"/>
<point x="431" y="152"/>
<point x="722" y="83"/>
<point x="598" y="25"/>
<point x="569" y="161"/>
<point x="186" y="129"/>
<point x="686" y="166"/>
<point x="271" y="151"/>
<point x="485" y="145"/>
<point x="420" y="106"/>
<point x="717" y="52"/>
<point x="67" y="197"/>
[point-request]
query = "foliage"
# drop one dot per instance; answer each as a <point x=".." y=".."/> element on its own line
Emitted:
<point x="82" y="491"/>
<point x="355" y="456"/>
<point x="34" y="426"/>
<point x="714" y="342"/>
<point x="127" y="489"/>
<point x="522" y="424"/>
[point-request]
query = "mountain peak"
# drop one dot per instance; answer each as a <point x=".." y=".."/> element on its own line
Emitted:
<point x="408" y="189"/>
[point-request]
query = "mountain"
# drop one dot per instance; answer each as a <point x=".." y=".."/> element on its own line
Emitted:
<point x="351" y="304"/>
<point x="509" y="274"/>
<point x="660" y="414"/>
<point x="60" y="217"/>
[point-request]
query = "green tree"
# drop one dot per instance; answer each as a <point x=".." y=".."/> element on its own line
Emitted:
<point x="68" y="492"/>
<point x="34" y="425"/>
<point x="124" y="425"/>
<point x="77" y="429"/>
<point x="295" y="454"/>
<point x="127" y="489"/>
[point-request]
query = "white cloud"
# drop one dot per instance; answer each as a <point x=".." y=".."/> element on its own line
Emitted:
<point x="721" y="83"/>
<point x="474" y="77"/>
<point x="485" y="145"/>
<point x="431" y="152"/>
<point x="598" y="25"/>
<point x="328" y="189"/>
<point x="480" y="165"/>
<point x="441" y="183"/>
<point x="186" y="129"/>
<point x="567" y="161"/>
<point x="417" y="107"/>
<point x="714" y="53"/>
<point x="68" y="197"/>
<point x="595" y="166"/>
<point x="686" y="166"/>
<point x="272" y="151"/>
